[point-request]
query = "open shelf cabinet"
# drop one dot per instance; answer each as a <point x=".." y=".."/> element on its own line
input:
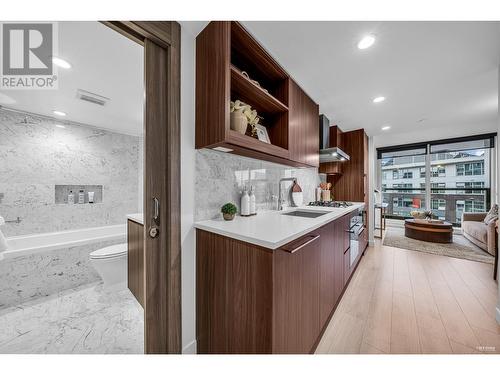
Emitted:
<point x="231" y="65"/>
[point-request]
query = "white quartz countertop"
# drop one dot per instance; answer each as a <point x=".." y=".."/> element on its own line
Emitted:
<point x="138" y="218"/>
<point x="271" y="229"/>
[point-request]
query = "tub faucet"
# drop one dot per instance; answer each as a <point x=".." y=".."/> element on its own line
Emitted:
<point x="280" y="199"/>
<point x="17" y="221"/>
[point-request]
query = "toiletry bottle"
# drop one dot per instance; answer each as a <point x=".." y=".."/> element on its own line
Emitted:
<point x="81" y="197"/>
<point x="71" y="197"/>
<point x="91" y="196"/>
<point x="245" y="203"/>
<point x="253" y="208"/>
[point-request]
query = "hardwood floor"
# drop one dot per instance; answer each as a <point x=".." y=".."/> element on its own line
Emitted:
<point x="402" y="301"/>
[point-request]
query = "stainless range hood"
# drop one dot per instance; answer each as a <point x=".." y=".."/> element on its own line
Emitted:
<point x="329" y="152"/>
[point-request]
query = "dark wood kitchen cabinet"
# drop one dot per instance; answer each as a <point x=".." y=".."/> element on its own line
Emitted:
<point x="331" y="267"/>
<point x="226" y="56"/>
<point x="135" y="260"/>
<point x="297" y="294"/>
<point x="303" y="127"/>
<point x="250" y="299"/>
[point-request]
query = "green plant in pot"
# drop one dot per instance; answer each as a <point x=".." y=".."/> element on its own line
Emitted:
<point x="228" y="211"/>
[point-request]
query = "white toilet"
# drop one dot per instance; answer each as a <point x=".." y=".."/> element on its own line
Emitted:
<point x="111" y="264"/>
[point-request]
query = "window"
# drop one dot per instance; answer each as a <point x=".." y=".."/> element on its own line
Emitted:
<point x="472" y="185"/>
<point x="468" y="206"/>
<point x="406" y="202"/>
<point x="436" y="187"/>
<point x="442" y="175"/>
<point x="471" y="169"/>
<point x="438" y="204"/>
<point x="438" y="171"/>
<point x="402" y="173"/>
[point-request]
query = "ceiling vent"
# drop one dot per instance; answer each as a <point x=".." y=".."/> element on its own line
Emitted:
<point x="91" y="97"/>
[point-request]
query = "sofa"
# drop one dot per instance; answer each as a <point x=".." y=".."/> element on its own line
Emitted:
<point x="478" y="232"/>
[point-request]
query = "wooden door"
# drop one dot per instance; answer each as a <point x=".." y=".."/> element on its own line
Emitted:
<point x="162" y="263"/>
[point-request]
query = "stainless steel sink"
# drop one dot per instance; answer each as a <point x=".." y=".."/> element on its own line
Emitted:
<point x="305" y="213"/>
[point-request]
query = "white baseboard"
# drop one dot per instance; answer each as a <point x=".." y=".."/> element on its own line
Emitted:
<point x="190" y="348"/>
<point x="498" y="315"/>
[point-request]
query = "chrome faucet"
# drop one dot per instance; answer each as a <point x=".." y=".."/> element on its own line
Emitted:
<point x="280" y="199"/>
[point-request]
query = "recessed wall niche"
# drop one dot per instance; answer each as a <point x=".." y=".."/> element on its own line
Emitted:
<point x="62" y="192"/>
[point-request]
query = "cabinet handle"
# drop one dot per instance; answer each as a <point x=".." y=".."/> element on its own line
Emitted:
<point x="313" y="238"/>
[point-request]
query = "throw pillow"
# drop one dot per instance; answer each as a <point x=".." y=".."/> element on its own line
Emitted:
<point x="492" y="214"/>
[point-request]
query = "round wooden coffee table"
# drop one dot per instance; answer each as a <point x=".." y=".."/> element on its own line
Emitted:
<point x="424" y="230"/>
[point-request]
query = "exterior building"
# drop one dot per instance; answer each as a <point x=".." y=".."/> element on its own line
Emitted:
<point x="459" y="183"/>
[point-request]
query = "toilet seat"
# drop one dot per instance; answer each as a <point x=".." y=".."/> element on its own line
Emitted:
<point x="109" y="252"/>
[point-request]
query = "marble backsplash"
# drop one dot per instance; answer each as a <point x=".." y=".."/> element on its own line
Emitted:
<point x="36" y="155"/>
<point x="221" y="177"/>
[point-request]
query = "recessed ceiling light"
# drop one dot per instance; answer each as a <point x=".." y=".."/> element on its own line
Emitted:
<point x="59" y="113"/>
<point x="386" y="127"/>
<point x="61" y="63"/>
<point x="60" y="126"/>
<point x="366" y="42"/>
<point x="379" y="99"/>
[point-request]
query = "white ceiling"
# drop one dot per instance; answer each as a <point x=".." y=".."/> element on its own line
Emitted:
<point x="103" y="62"/>
<point x="444" y="72"/>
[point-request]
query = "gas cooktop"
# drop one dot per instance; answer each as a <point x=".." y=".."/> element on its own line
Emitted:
<point x="336" y="204"/>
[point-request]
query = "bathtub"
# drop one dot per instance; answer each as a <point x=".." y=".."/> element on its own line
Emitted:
<point x="35" y="243"/>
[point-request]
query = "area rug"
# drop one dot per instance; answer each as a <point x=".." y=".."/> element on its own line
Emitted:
<point x="460" y="248"/>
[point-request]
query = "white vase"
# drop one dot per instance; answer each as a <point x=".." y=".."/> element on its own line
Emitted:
<point x="239" y="121"/>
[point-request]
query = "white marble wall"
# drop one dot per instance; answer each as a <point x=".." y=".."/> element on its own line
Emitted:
<point x="42" y="274"/>
<point x="220" y="178"/>
<point x="38" y="155"/>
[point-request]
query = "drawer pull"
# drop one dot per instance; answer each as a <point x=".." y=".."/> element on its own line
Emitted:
<point x="312" y="239"/>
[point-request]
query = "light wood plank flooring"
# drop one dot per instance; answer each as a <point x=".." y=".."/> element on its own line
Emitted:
<point x="402" y="301"/>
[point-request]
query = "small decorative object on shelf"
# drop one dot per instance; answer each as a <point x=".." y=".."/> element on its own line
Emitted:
<point x="245" y="74"/>
<point x="228" y="211"/>
<point x="261" y="132"/>
<point x="243" y="115"/>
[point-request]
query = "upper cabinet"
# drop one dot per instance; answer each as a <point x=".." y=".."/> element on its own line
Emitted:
<point x="231" y="65"/>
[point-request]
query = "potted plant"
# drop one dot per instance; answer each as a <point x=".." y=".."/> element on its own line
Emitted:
<point x="228" y="211"/>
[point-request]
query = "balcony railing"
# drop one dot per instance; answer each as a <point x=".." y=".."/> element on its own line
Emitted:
<point x="446" y="203"/>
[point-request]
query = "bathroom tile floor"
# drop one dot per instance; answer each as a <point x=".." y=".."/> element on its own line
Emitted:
<point x="83" y="320"/>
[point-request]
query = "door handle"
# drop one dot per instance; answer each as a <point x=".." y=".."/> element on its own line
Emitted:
<point x="156" y="210"/>
<point x="154" y="231"/>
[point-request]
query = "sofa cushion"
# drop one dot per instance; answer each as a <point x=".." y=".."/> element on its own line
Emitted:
<point x="476" y="229"/>
<point x="492" y="214"/>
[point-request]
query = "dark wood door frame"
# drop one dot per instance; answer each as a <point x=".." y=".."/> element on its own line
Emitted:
<point x="162" y="255"/>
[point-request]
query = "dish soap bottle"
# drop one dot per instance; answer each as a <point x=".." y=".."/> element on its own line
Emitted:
<point x="71" y="197"/>
<point x="245" y="204"/>
<point x="253" y="208"/>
